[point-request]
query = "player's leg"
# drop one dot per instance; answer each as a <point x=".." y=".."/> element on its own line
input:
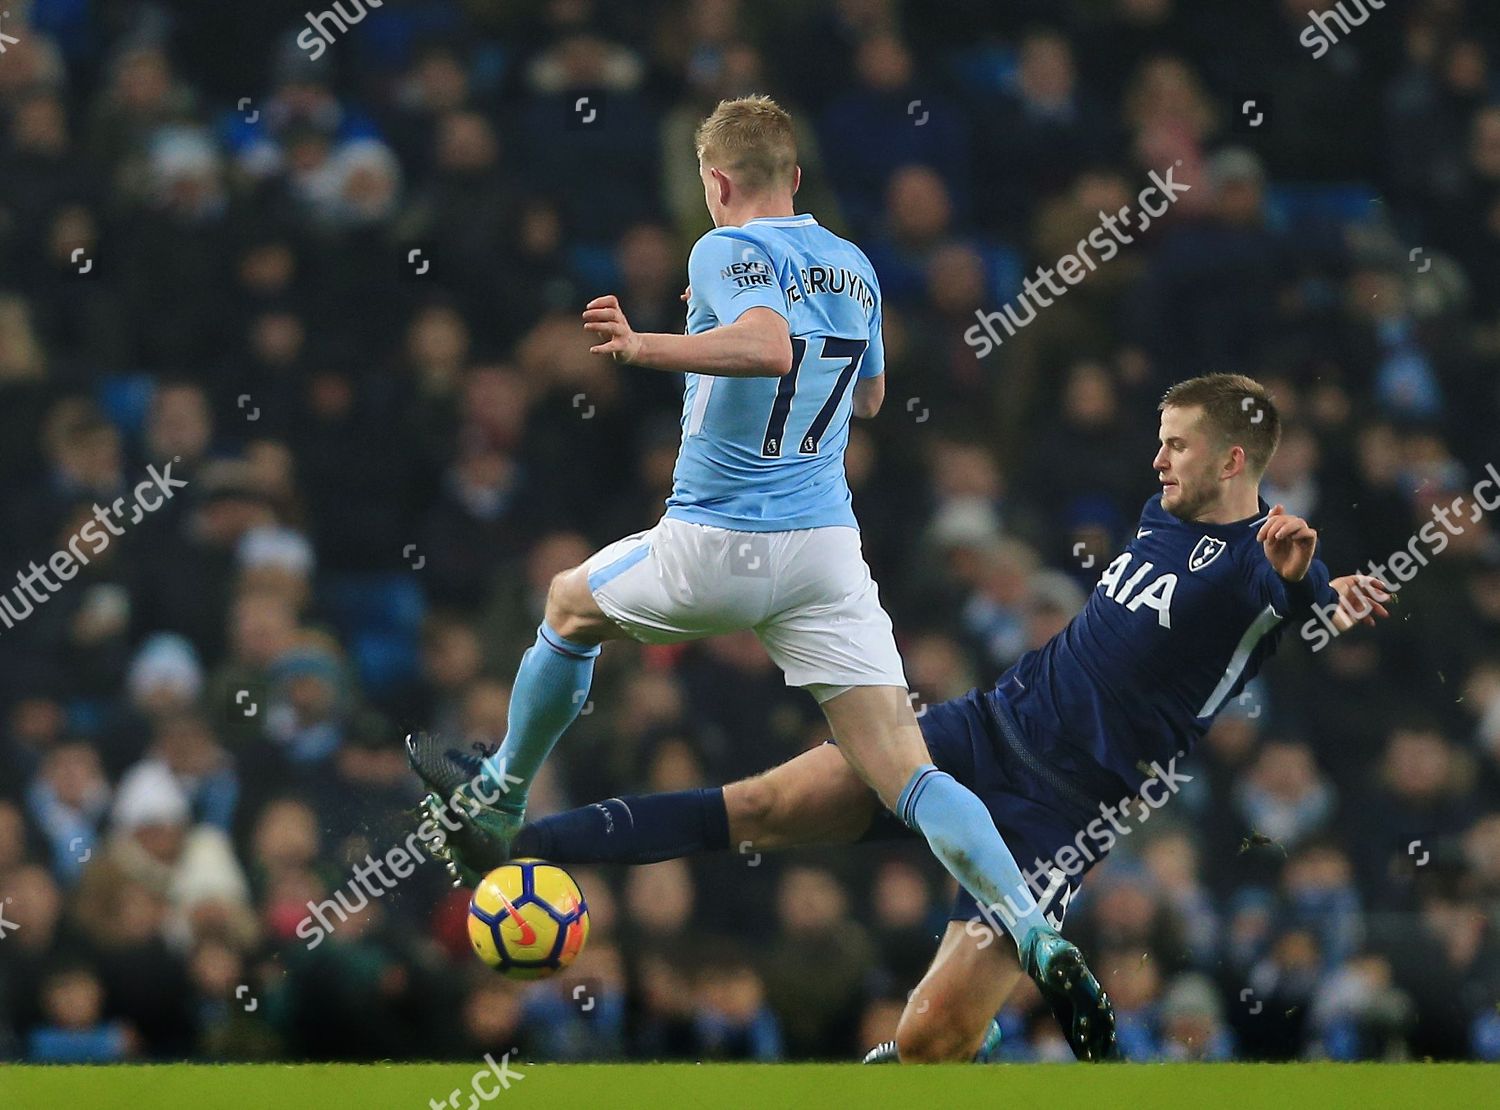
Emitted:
<point x="879" y="735"/>
<point x="814" y="798"/>
<point x="844" y="652"/>
<point x="480" y="799"/>
<point x="963" y="834"/>
<point x="551" y="687"/>
<point x="668" y="584"/>
<point x="948" y="1017"/>
<point x="832" y="637"/>
<point x="487" y="792"/>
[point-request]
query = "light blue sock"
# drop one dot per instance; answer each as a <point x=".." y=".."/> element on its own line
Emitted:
<point x="550" y="688"/>
<point x="961" y="833"/>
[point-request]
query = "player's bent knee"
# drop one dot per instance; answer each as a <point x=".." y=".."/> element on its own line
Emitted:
<point x="752" y="809"/>
<point x="571" y="610"/>
<point x="929" y="1034"/>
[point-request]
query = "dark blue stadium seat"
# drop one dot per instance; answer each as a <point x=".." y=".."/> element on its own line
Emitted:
<point x="380" y="616"/>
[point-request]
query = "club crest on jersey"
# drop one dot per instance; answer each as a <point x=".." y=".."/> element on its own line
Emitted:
<point x="1205" y="551"/>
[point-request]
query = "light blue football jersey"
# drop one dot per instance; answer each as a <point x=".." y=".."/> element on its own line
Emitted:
<point x="767" y="454"/>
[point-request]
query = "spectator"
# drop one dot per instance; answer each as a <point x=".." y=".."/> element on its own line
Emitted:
<point x="68" y="801"/>
<point x="76" y="1032"/>
<point x="1193" y="1021"/>
<point x="1284" y="797"/>
<point x="816" y="966"/>
<point x="156" y="844"/>
<point x="732" y="1020"/>
<point x="1040" y="135"/>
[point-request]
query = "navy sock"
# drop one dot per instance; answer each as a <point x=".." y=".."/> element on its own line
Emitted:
<point x="645" y="828"/>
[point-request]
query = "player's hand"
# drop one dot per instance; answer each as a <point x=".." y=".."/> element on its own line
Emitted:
<point x="1360" y="596"/>
<point x="687" y="294"/>
<point x="1289" y="543"/>
<point x="604" y="317"/>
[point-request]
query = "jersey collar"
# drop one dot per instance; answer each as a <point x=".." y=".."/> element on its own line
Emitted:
<point x="804" y="219"/>
<point x="1221" y="531"/>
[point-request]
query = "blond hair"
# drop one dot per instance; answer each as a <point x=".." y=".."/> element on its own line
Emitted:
<point x="1236" y="409"/>
<point x="751" y="139"/>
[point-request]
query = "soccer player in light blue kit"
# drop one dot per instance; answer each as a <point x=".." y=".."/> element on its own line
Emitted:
<point x="783" y="345"/>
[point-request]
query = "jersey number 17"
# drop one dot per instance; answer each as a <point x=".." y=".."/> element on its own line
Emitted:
<point x="834" y="350"/>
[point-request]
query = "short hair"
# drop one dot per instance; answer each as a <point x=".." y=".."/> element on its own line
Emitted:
<point x="752" y="139"/>
<point x="1237" y="409"/>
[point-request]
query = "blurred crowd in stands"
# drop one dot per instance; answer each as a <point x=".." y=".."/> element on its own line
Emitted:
<point x="339" y="298"/>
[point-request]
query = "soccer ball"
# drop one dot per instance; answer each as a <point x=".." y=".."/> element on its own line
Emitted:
<point x="528" y="919"/>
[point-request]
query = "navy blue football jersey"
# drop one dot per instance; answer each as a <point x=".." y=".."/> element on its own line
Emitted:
<point x="1177" y="625"/>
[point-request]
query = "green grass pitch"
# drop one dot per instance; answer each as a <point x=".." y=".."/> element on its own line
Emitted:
<point x="763" y="1087"/>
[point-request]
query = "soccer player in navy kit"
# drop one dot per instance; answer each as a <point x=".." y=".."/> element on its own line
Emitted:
<point x="1074" y="736"/>
<point x="783" y="346"/>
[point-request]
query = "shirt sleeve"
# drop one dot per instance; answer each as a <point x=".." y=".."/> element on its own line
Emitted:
<point x="732" y="274"/>
<point x="873" y="364"/>
<point x="1292" y="599"/>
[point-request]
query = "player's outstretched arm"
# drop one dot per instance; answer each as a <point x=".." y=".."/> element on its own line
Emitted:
<point x="756" y="345"/>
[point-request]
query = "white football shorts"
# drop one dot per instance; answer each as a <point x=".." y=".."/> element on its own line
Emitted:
<point x="807" y="594"/>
